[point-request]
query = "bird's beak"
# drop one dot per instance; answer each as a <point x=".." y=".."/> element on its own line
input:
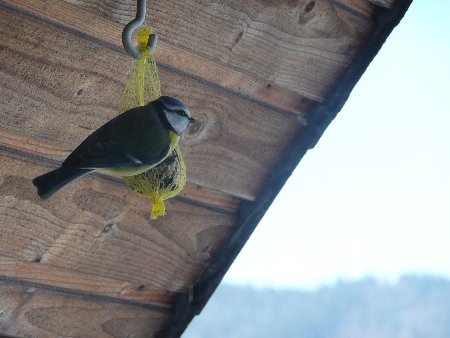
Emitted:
<point x="192" y="120"/>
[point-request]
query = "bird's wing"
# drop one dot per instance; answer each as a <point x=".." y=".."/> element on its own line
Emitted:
<point x="134" y="138"/>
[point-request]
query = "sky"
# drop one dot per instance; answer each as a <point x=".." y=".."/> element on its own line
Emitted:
<point x="373" y="197"/>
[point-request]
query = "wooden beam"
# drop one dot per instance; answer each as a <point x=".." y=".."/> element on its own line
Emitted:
<point x="62" y="88"/>
<point x="39" y="149"/>
<point x="98" y="28"/>
<point x="101" y="228"/>
<point x="253" y="50"/>
<point x="32" y="311"/>
<point x="383" y="3"/>
<point x="357" y="7"/>
<point x="252" y="212"/>
<point x="57" y="279"/>
<point x="298" y="45"/>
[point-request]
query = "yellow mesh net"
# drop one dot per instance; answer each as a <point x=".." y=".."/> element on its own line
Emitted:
<point x="160" y="183"/>
<point x="143" y="84"/>
<point x="167" y="179"/>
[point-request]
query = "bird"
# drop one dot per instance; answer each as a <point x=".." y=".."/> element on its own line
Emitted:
<point x="129" y="144"/>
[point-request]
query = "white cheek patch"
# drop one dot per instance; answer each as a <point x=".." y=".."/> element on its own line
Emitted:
<point x="178" y="122"/>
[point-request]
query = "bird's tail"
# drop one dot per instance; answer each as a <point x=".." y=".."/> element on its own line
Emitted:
<point x="50" y="182"/>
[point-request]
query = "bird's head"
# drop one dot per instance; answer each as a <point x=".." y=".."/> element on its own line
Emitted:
<point x="176" y="113"/>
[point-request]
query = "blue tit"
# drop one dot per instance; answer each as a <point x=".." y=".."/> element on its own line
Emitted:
<point x="130" y="144"/>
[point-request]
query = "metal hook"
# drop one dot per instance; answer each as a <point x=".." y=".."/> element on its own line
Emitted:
<point x="132" y="26"/>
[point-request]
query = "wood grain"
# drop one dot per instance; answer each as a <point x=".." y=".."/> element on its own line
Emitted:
<point x="61" y="88"/>
<point x="292" y="45"/>
<point x="383" y="3"/>
<point x="98" y="28"/>
<point x="82" y="284"/>
<point x="34" y="312"/>
<point x="97" y="227"/>
<point x="361" y="7"/>
<point x="36" y="148"/>
<point x="89" y="259"/>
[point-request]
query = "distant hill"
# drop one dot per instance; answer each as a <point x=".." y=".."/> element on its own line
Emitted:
<point x="415" y="307"/>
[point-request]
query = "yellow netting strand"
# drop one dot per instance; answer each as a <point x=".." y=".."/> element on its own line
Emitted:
<point x="143" y="84"/>
<point x="167" y="179"/>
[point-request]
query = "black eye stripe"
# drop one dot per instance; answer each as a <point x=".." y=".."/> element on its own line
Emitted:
<point x="182" y="112"/>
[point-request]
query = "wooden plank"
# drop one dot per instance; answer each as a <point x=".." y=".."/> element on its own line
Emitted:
<point x="36" y="148"/>
<point x="33" y="312"/>
<point x="61" y="87"/>
<point x="383" y="3"/>
<point x="357" y="7"/>
<point x="100" y="228"/>
<point x="82" y="284"/>
<point x="109" y="32"/>
<point x="10" y="298"/>
<point x="210" y="199"/>
<point x="288" y="46"/>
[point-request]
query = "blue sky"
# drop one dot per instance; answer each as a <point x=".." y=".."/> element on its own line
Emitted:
<point x="372" y="198"/>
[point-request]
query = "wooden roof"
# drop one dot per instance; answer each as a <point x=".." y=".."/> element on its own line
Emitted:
<point x="264" y="79"/>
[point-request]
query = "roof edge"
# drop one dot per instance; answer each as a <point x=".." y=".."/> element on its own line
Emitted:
<point x="319" y="117"/>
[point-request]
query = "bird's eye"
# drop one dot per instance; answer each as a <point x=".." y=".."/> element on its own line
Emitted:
<point x="182" y="112"/>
